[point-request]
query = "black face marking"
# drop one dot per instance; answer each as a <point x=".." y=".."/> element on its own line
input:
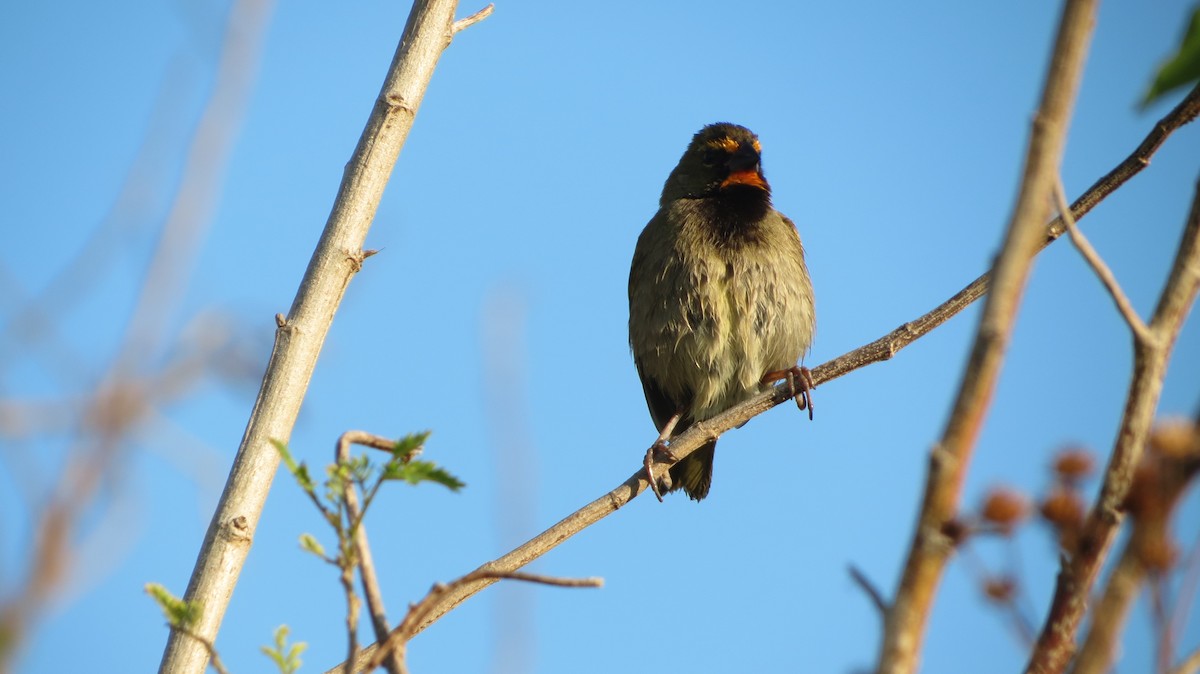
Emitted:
<point x="736" y="213"/>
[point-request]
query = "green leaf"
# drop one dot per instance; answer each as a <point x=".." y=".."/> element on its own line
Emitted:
<point x="299" y="471"/>
<point x="408" y="446"/>
<point x="309" y="543"/>
<point x="286" y="659"/>
<point x="416" y="472"/>
<point x="360" y="469"/>
<point x="1182" y="68"/>
<point x="178" y="612"/>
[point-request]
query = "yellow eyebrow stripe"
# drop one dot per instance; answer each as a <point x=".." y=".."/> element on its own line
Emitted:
<point x="728" y="144"/>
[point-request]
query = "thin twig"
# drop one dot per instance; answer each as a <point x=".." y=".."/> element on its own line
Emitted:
<point x="1136" y="324"/>
<point x="1056" y="643"/>
<point x="930" y="548"/>
<point x="463" y="24"/>
<point x="1022" y="625"/>
<point x="860" y="579"/>
<point x="358" y="529"/>
<point x="592" y="581"/>
<point x="879" y="350"/>
<point x="346" y="577"/>
<point x="418" y="614"/>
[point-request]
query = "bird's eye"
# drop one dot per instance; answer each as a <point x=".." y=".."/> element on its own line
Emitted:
<point x="712" y="156"/>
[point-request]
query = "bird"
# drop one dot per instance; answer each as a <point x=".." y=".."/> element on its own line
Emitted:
<point x="720" y="300"/>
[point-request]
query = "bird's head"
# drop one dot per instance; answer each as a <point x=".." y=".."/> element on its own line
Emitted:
<point x="722" y="160"/>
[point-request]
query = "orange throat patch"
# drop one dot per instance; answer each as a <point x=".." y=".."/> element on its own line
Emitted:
<point x="744" y="178"/>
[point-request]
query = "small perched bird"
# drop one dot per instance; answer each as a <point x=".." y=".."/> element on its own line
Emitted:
<point x="720" y="301"/>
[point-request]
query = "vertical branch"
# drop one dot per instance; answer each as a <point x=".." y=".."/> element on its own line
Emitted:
<point x="299" y="337"/>
<point x="931" y="546"/>
<point x="362" y="546"/>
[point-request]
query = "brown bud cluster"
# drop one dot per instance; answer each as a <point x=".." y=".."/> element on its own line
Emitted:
<point x="1171" y="461"/>
<point x="1073" y="464"/>
<point x="1064" y="508"/>
<point x="1005" y="508"/>
<point x="1001" y="589"/>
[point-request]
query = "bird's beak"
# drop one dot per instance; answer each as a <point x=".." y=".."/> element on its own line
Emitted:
<point x="743" y="169"/>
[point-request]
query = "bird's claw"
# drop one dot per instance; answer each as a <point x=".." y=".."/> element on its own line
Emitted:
<point x="658" y="453"/>
<point x="800" y="385"/>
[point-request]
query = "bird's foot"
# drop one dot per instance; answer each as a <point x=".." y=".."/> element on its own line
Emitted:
<point x="800" y="384"/>
<point x="657" y="455"/>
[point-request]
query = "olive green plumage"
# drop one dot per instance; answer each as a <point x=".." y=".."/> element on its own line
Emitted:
<point x="719" y="293"/>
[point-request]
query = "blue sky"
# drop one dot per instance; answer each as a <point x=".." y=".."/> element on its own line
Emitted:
<point x="893" y="135"/>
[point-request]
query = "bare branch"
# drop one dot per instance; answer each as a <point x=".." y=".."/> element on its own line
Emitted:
<point x="930" y="547"/>
<point x="1108" y="618"/>
<point x="298" y="342"/>
<point x="1093" y="259"/>
<point x="418" y="614"/>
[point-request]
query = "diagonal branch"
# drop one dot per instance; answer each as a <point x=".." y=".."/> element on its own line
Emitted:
<point x="931" y="546"/>
<point x="879" y="350"/>
<point x="358" y="530"/>
<point x="1092" y="257"/>
<point x="301" y="334"/>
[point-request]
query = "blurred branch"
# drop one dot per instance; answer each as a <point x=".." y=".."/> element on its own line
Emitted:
<point x="505" y="387"/>
<point x="1092" y="257"/>
<point x="1108" y="618"/>
<point x="879" y="350"/>
<point x="103" y="418"/>
<point x="1164" y="473"/>
<point x="298" y="340"/>
<point x="931" y="547"/>
<point x="32" y="325"/>
<point x="1056" y="644"/>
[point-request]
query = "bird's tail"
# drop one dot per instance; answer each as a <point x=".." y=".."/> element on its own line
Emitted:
<point x="694" y="474"/>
